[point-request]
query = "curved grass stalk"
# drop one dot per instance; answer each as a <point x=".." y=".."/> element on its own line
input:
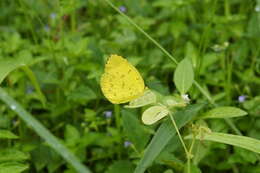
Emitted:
<point x="43" y="132"/>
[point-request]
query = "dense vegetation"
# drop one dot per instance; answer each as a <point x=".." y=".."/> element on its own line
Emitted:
<point x="53" y="53"/>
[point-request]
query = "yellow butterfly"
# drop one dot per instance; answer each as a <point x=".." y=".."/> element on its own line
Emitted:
<point x="121" y="81"/>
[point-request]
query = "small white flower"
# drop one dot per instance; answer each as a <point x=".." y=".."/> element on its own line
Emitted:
<point x="185" y="97"/>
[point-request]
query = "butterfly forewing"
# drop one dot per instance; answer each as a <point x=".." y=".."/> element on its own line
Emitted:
<point x="121" y="81"/>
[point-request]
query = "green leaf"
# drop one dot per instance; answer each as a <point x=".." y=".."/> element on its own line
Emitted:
<point x="72" y="135"/>
<point x="154" y="114"/>
<point x="35" y="83"/>
<point x="235" y="140"/>
<point x="6" y="66"/>
<point x="134" y="130"/>
<point x="148" y="98"/>
<point x="12" y="155"/>
<point x="39" y="155"/>
<point x="174" y="101"/>
<point x="164" y="134"/>
<point x="224" y="112"/>
<point x="121" y="166"/>
<point x="6" y="134"/>
<point x="242" y="156"/>
<point x="12" y="167"/>
<point x="184" y="76"/>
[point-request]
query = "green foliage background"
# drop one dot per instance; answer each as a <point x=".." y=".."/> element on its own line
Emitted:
<point x="66" y="43"/>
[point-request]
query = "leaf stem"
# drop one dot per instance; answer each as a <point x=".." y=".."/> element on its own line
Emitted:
<point x="188" y="156"/>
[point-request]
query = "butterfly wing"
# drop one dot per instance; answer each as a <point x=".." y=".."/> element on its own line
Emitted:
<point x="121" y="81"/>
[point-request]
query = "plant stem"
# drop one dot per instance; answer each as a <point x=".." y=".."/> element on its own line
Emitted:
<point x="118" y="125"/>
<point x="117" y="115"/>
<point x="182" y="142"/>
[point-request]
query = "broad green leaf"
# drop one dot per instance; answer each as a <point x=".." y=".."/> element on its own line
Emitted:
<point x="184" y="76"/>
<point x="12" y="155"/>
<point x="6" y="66"/>
<point x="154" y="114"/>
<point x="121" y="166"/>
<point x="148" y="98"/>
<point x="235" y="140"/>
<point x="224" y="112"/>
<point x="164" y="134"/>
<point x="134" y="130"/>
<point x="6" y="134"/>
<point x="12" y="167"/>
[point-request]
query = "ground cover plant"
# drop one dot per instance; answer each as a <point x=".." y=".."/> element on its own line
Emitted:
<point x="130" y="86"/>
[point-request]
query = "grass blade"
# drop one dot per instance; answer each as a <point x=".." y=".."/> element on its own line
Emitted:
<point x="43" y="132"/>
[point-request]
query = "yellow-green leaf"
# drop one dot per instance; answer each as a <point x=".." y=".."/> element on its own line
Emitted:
<point x="148" y="98"/>
<point x="154" y="114"/>
<point x="224" y="112"/>
<point x="235" y="140"/>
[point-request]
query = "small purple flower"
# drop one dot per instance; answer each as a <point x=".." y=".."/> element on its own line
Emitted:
<point x="53" y="16"/>
<point x="46" y="28"/>
<point x="29" y="89"/>
<point x="108" y="114"/>
<point x="127" y="144"/>
<point x="122" y="9"/>
<point x="241" y="98"/>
